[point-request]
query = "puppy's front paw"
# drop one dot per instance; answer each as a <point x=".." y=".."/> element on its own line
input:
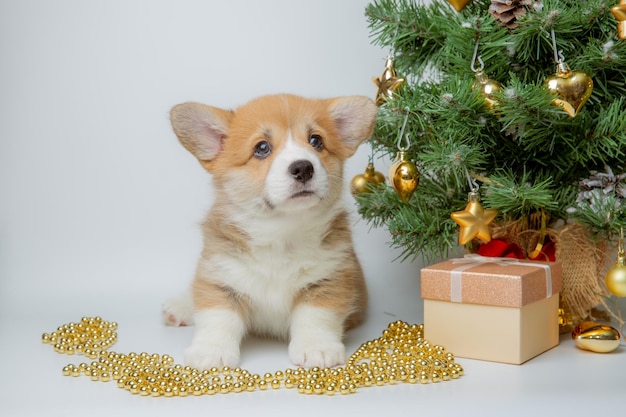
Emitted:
<point x="205" y="357"/>
<point x="178" y="311"/>
<point x="323" y="355"/>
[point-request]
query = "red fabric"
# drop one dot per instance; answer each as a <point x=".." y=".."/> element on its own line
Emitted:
<point x="502" y="249"/>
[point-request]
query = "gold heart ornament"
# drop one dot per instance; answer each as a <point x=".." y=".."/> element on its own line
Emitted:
<point x="573" y="88"/>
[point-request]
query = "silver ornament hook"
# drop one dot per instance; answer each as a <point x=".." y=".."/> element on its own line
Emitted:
<point x="475" y="58"/>
<point x="559" y="58"/>
<point x="406" y="137"/>
<point x="473" y="185"/>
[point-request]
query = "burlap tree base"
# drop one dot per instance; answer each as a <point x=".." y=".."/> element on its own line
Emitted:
<point x="585" y="264"/>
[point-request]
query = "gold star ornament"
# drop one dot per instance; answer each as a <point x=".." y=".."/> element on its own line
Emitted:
<point x="474" y="220"/>
<point x="387" y="83"/>
<point x="620" y="14"/>
<point x="459" y="4"/>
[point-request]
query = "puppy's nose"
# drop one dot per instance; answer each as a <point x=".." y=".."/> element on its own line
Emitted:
<point x="301" y="170"/>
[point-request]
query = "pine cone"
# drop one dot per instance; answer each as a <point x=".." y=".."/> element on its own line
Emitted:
<point x="508" y="11"/>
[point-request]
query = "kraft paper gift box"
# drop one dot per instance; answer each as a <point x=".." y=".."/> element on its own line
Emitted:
<point x="494" y="309"/>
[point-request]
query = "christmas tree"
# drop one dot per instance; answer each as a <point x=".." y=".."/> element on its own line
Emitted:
<point x="497" y="102"/>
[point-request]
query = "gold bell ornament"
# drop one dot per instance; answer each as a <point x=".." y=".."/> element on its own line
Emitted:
<point x="474" y="220"/>
<point x="616" y="277"/>
<point x="620" y="14"/>
<point x="572" y="88"/>
<point x="361" y="183"/>
<point x="388" y="82"/>
<point x="595" y="337"/>
<point x="485" y="86"/>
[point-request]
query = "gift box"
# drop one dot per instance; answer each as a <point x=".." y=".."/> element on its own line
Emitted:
<point x="494" y="309"/>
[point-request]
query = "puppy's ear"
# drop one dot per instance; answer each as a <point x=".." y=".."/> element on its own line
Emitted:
<point x="201" y="129"/>
<point x="354" y="117"/>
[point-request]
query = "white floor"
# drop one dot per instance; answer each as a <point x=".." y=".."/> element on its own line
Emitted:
<point x="562" y="381"/>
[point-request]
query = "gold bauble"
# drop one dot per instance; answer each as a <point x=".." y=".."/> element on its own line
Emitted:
<point x="361" y="183"/>
<point x="487" y="88"/>
<point x="459" y="4"/>
<point x="373" y="175"/>
<point x="573" y="88"/>
<point x="595" y="337"/>
<point x="404" y="177"/>
<point x="616" y="277"/>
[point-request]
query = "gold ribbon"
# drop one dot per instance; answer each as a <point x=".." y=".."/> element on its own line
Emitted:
<point x="542" y="235"/>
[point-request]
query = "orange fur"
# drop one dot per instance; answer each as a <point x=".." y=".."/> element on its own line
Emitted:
<point x="276" y="248"/>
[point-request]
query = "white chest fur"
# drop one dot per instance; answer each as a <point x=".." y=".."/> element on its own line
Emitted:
<point x="288" y="256"/>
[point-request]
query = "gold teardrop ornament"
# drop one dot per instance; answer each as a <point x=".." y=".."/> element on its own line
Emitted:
<point x="404" y="177"/>
<point x="595" y="337"/>
<point x="573" y="88"/>
<point x="487" y="88"/>
<point x="361" y="183"/>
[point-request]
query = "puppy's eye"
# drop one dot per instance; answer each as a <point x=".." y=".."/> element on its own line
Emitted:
<point x="316" y="142"/>
<point x="262" y="150"/>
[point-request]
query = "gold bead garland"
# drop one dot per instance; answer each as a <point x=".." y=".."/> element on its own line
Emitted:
<point x="401" y="354"/>
<point x="90" y="336"/>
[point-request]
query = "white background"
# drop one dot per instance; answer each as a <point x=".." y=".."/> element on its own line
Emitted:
<point x="100" y="205"/>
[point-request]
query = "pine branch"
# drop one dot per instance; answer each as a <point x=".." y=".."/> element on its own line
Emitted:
<point x="527" y="153"/>
<point x="604" y="214"/>
<point x="517" y="196"/>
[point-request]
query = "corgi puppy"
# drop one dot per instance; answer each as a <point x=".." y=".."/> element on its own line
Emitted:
<point x="278" y="257"/>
